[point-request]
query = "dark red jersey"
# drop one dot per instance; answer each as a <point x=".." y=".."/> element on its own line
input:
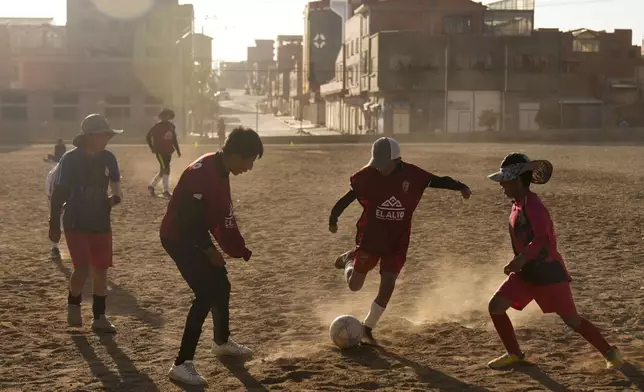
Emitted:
<point x="162" y="138"/>
<point x="201" y="204"/>
<point x="388" y="202"/>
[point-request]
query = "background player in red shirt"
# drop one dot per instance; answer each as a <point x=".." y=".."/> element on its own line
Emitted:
<point x="537" y="271"/>
<point x="201" y="205"/>
<point x="162" y="139"/>
<point x="389" y="191"/>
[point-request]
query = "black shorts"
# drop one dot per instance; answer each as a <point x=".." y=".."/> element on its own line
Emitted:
<point x="164" y="162"/>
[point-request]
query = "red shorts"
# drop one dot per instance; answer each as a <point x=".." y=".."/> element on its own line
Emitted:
<point x="554" y="298"/>
<point x="93" y="249"/>
<point x="364" y="261"/>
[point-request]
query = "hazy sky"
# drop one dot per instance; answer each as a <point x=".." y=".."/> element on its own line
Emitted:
<point x="235" y="24"/>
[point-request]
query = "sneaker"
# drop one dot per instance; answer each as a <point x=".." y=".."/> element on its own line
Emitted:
<point x="367" y="336"/>
<point x="55" y="253"/>
<point x="186" y="373"/>
<point x="613" y="358"/>
<point x="167" y="194"/>
<point x="74" y="316"/>
<point x="344" y="258"/>
<point x="506" y="360"/>
<point x="103" y="324"/>
<point x="152" y="191"/>
<point x="231" y="348"/>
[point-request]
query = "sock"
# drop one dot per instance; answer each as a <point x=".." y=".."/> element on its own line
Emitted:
<point x="71" y="300"/>
<point x="374" y="315"/>
<point x="348" y="270"/>
<point x="505" y="330"/>
<point x="155" y="180"/>
<point x="591" y="333"/>
<point x="98" y="307"/>
<point x="54" y="245"/>
<point x="166" y="182"/>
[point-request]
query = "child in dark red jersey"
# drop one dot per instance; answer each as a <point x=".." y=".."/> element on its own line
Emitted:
<point x="389" y="191"/>
<point x="537" y="271"/>
<point x="201" y="205"/>
<point x="162" y="140"/>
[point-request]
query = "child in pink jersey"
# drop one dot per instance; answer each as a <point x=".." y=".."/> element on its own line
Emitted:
<point x="537" y="271"/>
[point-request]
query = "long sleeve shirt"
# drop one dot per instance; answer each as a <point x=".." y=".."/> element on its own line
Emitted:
<point x="201" y="205"/>
<point x="162" y="138"/>
<point x="434" y="182"/>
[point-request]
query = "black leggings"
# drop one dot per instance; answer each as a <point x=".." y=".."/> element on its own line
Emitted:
<point x="212" y="295"/>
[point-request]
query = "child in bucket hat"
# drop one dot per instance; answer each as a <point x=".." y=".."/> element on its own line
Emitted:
<point x="537" y="271"/>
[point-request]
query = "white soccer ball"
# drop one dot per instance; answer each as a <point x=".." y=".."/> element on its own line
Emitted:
<point x="346" y="331"/>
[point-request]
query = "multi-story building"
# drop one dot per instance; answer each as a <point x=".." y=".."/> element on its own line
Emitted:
<point x="126" y="68"/>
<point x="233" y="74"/>
<point x="599" y="83"/>
<point x="289" y="50"/>
<point x="260" y="59"/>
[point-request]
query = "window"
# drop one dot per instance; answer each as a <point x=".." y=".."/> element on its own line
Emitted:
<point x="479" y="62"/>
<point x="350" y="76"/>
<point x="364" y="62"/>
<point x="65" y="113"/>
<point x="65" y="107"/>
<point x="351" y="46"/>
<point x="117" y="112"/>
<point x="117" y="106"/>
<point x="531" y="63"/>
<point x="14" y="106"/>
<point x="374" y="65"/>
<point x="585" y="45"/>
<point x="117" y="100"/>
<point x="457" y="24"/>
<point x="153" y="106"/>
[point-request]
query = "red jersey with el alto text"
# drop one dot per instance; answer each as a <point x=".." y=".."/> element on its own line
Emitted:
<point x="389" y="203"/>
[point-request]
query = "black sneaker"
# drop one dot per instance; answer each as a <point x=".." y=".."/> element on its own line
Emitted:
<point x="367" y="336"/>
<point x="55" y="253"/>
<point x="152" y="191"/>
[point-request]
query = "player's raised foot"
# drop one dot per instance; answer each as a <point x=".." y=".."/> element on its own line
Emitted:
<point x="74" y="316"/>
<point x="186" y="373"/>
<point x="344" y="258"/>
<point x="506" y="360"/>
<point x="367" y="336"/>
<point x="152" y="191"/>
<point x="55" y="254"/>
<point x="613" y="358"/>
<point x="167" y="194"/>
<point x="103" y="325"/>
<point x="231" y="348"/>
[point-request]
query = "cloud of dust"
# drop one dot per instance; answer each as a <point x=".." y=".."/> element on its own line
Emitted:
<point x="460" y="291"/>
<point x="292" y="350"/>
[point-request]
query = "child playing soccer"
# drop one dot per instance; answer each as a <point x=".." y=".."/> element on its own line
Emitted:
<point x="389" y="191"/>
<point x="162" y="140"/>
<point x="537" y="271"/>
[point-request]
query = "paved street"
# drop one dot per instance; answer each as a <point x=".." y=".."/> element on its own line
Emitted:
<point x="240" y="110"/>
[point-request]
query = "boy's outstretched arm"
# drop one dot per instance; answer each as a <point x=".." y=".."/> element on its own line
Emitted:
<point x="339" y="208"/>
<point x="449" y="183"/>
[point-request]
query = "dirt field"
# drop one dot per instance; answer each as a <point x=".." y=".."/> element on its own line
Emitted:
<point x="436" y="333"/>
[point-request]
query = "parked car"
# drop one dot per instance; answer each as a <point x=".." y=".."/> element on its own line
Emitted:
<point x="222" y="96"/>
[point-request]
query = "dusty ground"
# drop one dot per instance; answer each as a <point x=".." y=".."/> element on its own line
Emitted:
<point x="436" y="334"/>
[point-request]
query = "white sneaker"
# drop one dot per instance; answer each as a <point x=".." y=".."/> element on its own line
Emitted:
<point x="74" y="316"/>
<point x="103" y="324"/>
<point x="186" y="373"/>
<point x="231" y="348"/>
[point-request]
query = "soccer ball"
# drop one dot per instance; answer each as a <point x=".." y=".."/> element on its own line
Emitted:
<point x="346" y="331"/>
